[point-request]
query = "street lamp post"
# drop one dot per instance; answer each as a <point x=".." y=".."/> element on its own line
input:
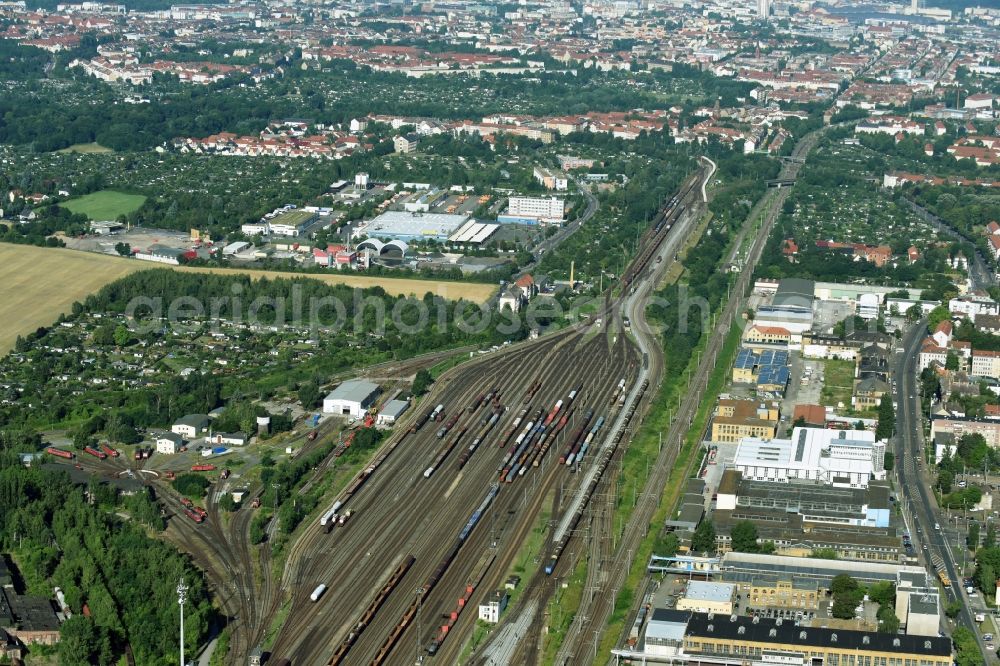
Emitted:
<point x="181" y="598"/>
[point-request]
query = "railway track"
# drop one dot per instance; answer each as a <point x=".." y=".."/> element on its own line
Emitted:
<point x="413" y="525"/>
<point x="575" y="650"/>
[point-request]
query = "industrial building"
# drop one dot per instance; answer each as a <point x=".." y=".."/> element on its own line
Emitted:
<point x="684" y="637"/>
<point x="705" y="597"/>
<point x="392" y="411"/>
<point x="352" y="398"/>
<point x="408" y="227"/>
<point x="735" y="419"/>
<point x="801" y="517"/>
<point x="473" y="233"/>
<point x="292" y="223"/>
<point x="845" y="458"/>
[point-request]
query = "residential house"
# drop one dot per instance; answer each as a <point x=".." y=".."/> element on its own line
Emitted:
<point x="985" y="363"/>
<point x="868" y="393"/>
<point x="406" y="143"/>
<point x="169" y="443"/>
<point x="988" y="324"/>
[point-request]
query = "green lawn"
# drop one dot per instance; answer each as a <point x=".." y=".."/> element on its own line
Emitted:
<point x="105" y="205"/>
<point x="838" y="382"/>
<point x="86" y="148"/>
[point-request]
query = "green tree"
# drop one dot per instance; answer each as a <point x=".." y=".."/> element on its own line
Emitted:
<point x="889" y="461"/>
<point x="951" y="361"/>
<point x="972" y="537"/>
<point x="888" y="622"/>
<point x="667" y="545"/>
<point x="191" y="485"/>
<point x="703" y="540"/>
<point x="990" y="540"/>
<point x="122" y="336"/>
<point x="945" y="479"/>
<point x="309" y="394"/>
<point x="744" y="537"/>
<point x="842" y="583"/>
<point x="936" y="316"/>
<point x="422" y="381"/>
<point x="886" y="419"/>
<point x="966" y="647"/>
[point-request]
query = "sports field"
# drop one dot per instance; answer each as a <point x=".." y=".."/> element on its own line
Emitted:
<point x="40" y="283"/>
<point x="105" y="205"/>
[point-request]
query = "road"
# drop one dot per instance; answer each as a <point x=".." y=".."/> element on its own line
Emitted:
<point x="913" y="480"/>
<point x="567" y="230"/>
<point x="980" y="275"/>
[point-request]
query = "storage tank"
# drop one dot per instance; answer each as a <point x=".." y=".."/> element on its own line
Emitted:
<point x="318" y="592"/>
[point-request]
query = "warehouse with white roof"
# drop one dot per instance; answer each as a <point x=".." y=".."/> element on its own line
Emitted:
<point x="842" y="458"/>
<point x="352" y="398"/>
<point x="404" y="226"/>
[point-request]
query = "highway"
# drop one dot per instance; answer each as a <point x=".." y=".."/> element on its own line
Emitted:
<point x="914" y="482"/>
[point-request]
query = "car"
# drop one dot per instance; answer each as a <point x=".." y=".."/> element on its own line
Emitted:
<point x="937" y="526"/>
<point x="925" y="546"/>
<point x="987" y="637"/>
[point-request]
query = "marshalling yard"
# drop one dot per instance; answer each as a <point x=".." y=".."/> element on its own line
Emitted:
<point x="438" y="516"/>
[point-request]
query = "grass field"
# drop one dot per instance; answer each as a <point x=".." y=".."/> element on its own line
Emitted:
<point x="838" y="382"/>
<point x="105" y="205"/>
<point x="41" y="283"/>
<point x="86" y="148"/>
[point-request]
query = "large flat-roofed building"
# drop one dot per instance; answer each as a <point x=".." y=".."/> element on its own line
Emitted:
<point x="816" y="502"/>
<point x="846" y="458"/>
<point x="292" y="223"/>
<point x="812" y="568"/>
<point x="736" y="419"/>
<point x="705" y="597"/>
<point x="738" y="640"/>
<point x="352" y="398"/>
<point x="801" y="518"/>
<point x="665" y="632"/>
<point x="404" y="226"/>
<point x="534" y="210"/>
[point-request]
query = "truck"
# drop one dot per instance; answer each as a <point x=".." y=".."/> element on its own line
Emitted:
<point x="318" y="592"/>
<point x="68" y="455"/>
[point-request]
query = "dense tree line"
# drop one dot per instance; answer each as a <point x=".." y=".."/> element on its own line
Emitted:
<point x="60" y="538"/>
